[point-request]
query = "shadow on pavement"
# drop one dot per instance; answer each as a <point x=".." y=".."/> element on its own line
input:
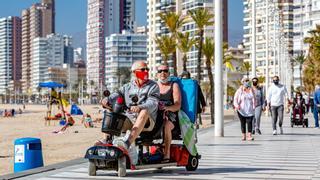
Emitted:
<point x="229" y="144"/>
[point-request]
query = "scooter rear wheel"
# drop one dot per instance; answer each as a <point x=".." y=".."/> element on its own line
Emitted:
<point x="193" y="163"/>
<point x="92" y="171"/>
<point x="122" y="166"/>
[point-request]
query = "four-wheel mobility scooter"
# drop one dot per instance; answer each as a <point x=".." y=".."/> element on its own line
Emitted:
<point x="108" y="156"/>
<point x="297" y="116"/>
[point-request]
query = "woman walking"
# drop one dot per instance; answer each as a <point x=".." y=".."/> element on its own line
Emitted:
<point x="260" y="106"/>
<point x="244" y="103"/>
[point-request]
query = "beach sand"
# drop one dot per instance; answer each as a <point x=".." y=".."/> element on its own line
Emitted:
<point x="55" y="147"/>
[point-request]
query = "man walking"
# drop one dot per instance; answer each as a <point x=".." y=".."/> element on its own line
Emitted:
<point x="275" y="100"/>
<point x="316" y="109"/>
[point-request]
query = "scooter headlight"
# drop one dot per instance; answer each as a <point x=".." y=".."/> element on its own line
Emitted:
<point x="90" y="152"/>
<point x="112" y="153"/>
<point x="101" y="152"/>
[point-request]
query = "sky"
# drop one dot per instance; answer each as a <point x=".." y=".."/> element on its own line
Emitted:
<point x="71" y="15"/>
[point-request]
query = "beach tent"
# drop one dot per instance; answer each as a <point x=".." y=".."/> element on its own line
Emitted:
<point x="75" y="110"/>
<point x="51" y="84"/>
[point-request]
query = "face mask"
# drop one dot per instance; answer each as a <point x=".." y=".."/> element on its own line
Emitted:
<point x="255" y="83"/>
<point x="142" y="75"/>
<point x="164" y="81"/>
<point x="276" y="82"/>
<point x="246" y="84"/>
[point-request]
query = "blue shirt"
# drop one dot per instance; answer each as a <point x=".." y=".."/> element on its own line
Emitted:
<point x="316" y="97"/>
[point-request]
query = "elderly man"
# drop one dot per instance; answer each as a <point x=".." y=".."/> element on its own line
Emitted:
<point x="145" y="109"/>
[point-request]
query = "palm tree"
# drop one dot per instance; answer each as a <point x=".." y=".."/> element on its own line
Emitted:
<point x="208" y="52"/>
<point x="202" y="18"/>
<point x="299" y="60"/>
<point x="246" y="67"/>
<point x="185" y="43"/>
<point x="167" y="46"/>
<point x="173" y="22"/>
<point x="261" y="79"/>
<point x="123" y="75"/>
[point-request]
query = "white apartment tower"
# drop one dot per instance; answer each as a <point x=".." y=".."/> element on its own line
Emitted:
<point x="122" y="50"/>
<point x="157" y="28"/>
<point x="274" y="36"/>
<point x="47" y="52"/>
<point x="105" y="17"/>
<point x="5" y="53"/>
<point x="306" y="17"/>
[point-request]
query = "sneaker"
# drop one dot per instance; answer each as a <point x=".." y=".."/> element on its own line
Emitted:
<point x="274" y="132"/>
<point x="281" y="130"/>
<point x="259" y="132"/>
<point x="132" y="150"/>
<point x="253" y="132"/>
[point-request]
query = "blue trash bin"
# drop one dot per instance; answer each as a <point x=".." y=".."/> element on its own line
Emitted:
<point x="27" y="154"/>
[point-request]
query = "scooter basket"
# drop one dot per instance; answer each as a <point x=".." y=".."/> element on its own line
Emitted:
<point x="112" y="123"/>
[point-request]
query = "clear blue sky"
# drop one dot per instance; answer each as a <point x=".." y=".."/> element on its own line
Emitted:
<point x="71" y="14"/>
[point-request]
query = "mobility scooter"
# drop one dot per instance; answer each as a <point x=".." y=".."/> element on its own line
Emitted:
<point x="299" y="109"/>
<point x="108" y="156"/>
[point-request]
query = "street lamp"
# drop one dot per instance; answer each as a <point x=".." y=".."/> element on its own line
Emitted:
<point x="253" y="55"/>
<point x="218" y="88"/>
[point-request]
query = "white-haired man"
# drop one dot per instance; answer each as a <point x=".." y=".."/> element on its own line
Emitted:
<point x="146" y="108"/>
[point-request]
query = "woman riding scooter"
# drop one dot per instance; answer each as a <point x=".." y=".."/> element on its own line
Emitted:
<point x="169" y="105"/>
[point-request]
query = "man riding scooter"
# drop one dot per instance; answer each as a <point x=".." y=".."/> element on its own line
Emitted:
<point x="142" y="112"/>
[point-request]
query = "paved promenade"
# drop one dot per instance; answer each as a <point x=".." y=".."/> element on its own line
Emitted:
<point x="294" y="155"/>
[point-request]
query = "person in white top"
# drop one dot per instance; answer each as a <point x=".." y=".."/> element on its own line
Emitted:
<point x="244" y="103"/>
<point x="276" y="96"/>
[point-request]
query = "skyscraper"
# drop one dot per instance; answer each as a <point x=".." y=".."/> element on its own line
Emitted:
<point x="157" y="28"/>
<point x="68" y="50"/>
<point x="105" y="17"/>
<point x="10" y="56"/>
<point x="37" y="21"/>
<point x="278" y="45"/>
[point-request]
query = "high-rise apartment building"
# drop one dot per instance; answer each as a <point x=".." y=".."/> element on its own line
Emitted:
<point x="37" y="21"/>
<point x="10" y="56"/>
<point x="68" y="50"/>
<point x="122" y="50"/>
<point x="274" y="37"/>
<point x="157" y="28"/>
<point x="306" y="17"/>
<point x="47" y="52"/>
<point x="105" y="17"/>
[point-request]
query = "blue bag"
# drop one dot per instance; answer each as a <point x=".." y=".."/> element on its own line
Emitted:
<point x="189" y="95"/>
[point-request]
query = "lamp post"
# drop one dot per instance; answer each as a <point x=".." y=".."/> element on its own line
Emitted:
<point x="267" y="46"/>
<point x="218" y="88"/>
<point x="253" y="55"/>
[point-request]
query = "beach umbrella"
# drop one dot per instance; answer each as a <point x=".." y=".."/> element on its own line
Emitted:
<point x="51" y="84"/>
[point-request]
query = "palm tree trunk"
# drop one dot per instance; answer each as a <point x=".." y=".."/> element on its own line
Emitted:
<point x="165" y="61"/>
<point x="184" y="62"/>
<point x="174" y="63"/>
<point x="211" y="91"/>
<point x="300" y="68"/>
<point x="199" y="57"/>
<point x="292" y="79"/>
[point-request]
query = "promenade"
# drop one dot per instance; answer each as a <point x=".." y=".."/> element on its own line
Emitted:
<point x="293" y="155"/>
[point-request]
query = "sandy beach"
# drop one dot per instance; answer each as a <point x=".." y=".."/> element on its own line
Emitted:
<point x="55" y="147"/>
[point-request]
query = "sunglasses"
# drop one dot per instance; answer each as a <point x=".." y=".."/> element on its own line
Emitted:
<point x="163" y="70"/>
<point x="144" y="69"/>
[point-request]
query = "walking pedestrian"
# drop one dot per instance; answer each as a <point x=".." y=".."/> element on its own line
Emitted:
<point x="275" y="100"/>
<point x="244" y="103"/>
<point x="260" y="105"/>
<point x="316" y="110"/>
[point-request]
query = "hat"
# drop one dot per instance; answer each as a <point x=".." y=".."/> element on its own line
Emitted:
<point x="185" y="74"/>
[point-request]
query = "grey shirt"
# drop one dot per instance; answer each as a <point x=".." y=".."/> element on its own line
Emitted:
<point x="148" y="96"/>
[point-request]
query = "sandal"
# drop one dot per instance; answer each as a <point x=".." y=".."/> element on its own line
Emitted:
<point x="250" y="138"/>
<point x="165" y="160"/>
<point x="243" y="138"/>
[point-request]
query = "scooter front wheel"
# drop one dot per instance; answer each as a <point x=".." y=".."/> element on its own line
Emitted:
<point x="92" y="169"/>
<point x="122" y="166"/>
